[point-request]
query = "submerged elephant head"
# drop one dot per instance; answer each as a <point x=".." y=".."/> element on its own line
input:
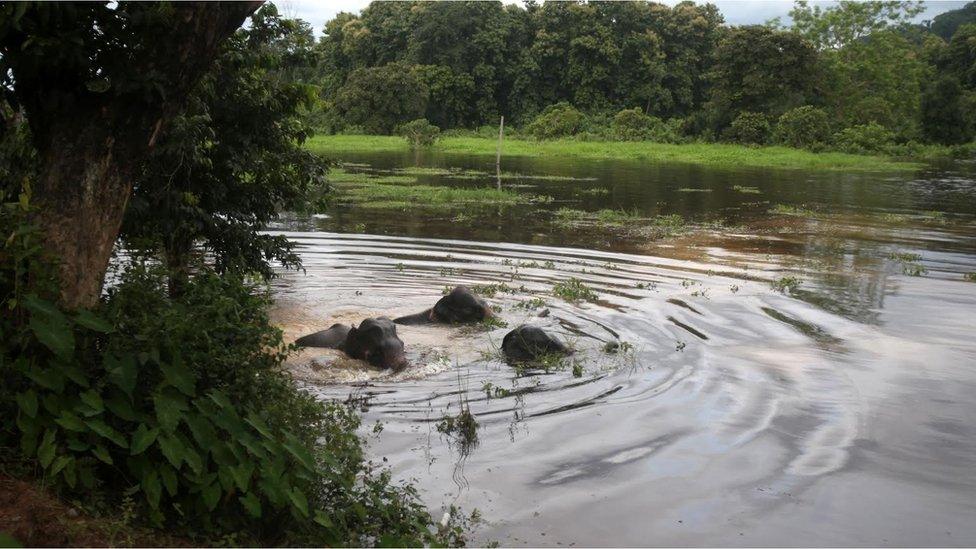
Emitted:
<point x="376" y="342"/>
<point x="528" y="343"/>
<point x="461" y="305"/>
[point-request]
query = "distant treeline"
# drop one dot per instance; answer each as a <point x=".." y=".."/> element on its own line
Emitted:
<point x="860" y="67"/>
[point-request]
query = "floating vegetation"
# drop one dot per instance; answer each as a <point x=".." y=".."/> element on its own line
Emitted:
<point x="905" y="257"/>
<point x="419" y="170"/>
<point x="910" y="263"/>
<point x="493" y="391"/>
<point x="462" y="429"/>
<point x="485" y="325"/>
<point x="785" y="209"/>
<point x="490" y="290"/>
<point x="746" y="190"/>
<point x="620" y="216"/>
<point x="969" y="276"/>
<point x="690" y="190"/>
<point x="787" y="284"/>
<point x="531" y="304"/>
<point x="595" y="191"/>
<point x="392" y="196"/>
<point x="573" y="290"/>
<point x="913" y="269"/>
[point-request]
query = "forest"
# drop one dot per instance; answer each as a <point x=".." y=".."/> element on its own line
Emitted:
<point x="859" y="77"/>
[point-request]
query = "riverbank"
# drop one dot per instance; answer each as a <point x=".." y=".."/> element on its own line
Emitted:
<point x="715" y="155"/>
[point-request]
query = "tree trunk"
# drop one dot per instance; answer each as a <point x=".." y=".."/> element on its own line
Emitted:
<point x="81" y="194"/>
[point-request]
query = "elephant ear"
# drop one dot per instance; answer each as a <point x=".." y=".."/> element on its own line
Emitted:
<point x="353" y="346"/>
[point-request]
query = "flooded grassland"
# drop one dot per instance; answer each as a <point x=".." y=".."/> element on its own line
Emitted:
<point x="763" y="357"/>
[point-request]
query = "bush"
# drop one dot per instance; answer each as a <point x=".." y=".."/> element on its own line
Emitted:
<point x="419" y="133"/>
<point x="803" y="127"/>
<point x="182" y="404"/>
<point x="865" y="138"/>
<point x="634" y="125"/>
<point x="559" y="120"/>
<point x="748" y="128"/>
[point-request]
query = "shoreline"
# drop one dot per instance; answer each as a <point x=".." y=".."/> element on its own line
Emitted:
<point x="712" y="155"/>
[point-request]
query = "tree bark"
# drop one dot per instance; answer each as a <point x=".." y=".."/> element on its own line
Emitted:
<point x="91" y="145"/>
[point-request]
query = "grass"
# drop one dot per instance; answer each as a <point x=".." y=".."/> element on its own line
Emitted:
<point x="717" y="155"/>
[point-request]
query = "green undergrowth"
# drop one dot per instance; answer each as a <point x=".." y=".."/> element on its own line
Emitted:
<point x="717" y="155"/>
<point x="180" y="406"/>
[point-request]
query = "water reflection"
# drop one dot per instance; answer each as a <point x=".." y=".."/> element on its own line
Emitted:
<point x="743" y="410"/>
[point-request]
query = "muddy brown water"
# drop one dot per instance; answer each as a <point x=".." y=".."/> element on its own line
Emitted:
<point x="838" y="411"/>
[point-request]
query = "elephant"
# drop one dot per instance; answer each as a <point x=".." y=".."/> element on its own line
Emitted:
<point x="461" y="305"/>
<point x="528" y="343"/>
<point x="375" y="341"/>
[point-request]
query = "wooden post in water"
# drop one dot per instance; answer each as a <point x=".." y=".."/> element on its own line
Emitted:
<point x="498" y="155"/>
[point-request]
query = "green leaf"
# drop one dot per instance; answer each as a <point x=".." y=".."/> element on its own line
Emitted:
<point x="252" y="504"/>
<point x="211" y="495"/>
<point x="298" y="499"/>
<point x="169" y="479"/>
<point x="242" y="475"/>
<point x="27" y="401"/>
<point x="93" y="400"/>
<point x="192" y="459"/>
<point x="49" y="378"/>
<point x="323" y="519"/>
<point x="201" y="429"/>
<point x="169" y="406"/>
<point x="172" y="449"/>
<point x="105" y="431"/>
<point x="142" y="438"/>
<point x="50" y="326"/>
<point x="74" y="373"/>
<point x="60" y="464"/>
<point x="101" y="453"/>
<point x="152" y="488"/>
<point x="71" y="422"/>
<point x="92" y="321"/>
<point x="297" y="449"/>
<point x="179" y="376"/>
<point x="259" y="425"/>
<point x="119" y="404"/>
<point x="45" y="452"/>
<point x="123" y="372"/>
<point x="220" y="399"/>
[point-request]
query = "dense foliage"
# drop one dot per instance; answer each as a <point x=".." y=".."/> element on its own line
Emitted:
<point x="586" y="69"/>
<point x="230" y="162"/>
<point x="168" y="396"/>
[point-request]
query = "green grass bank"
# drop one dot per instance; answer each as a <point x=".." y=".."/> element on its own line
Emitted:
<point x="715" y="155"/>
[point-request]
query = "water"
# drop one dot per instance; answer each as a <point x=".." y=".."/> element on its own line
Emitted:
<point x="838" y="411"/>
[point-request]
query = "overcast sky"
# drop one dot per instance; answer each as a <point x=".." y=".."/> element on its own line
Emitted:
<point x="736" y="12"/>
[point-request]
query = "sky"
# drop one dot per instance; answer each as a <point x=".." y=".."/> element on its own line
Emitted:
<point x="736" y="12"/>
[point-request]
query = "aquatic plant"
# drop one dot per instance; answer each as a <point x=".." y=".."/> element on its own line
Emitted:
<point x="461" y="429"/>
<point x="573" y="290"/>
<point x="786" y="209"/>
<point x="787" y="284"/>
<point x="970" y="276"/>
<point x="746" y="190"/>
